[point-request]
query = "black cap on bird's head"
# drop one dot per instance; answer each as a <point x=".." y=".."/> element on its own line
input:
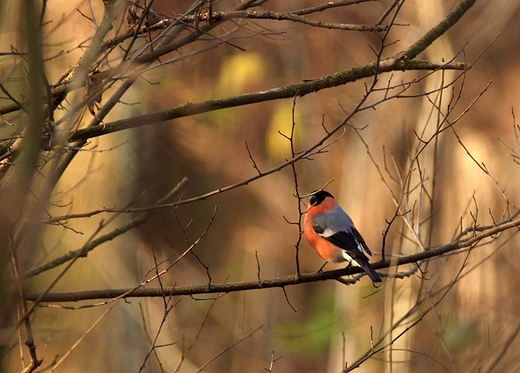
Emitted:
<point x="319" y="197"/>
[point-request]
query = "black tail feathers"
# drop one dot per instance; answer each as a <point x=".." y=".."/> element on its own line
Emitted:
<point x="371" y="272"/>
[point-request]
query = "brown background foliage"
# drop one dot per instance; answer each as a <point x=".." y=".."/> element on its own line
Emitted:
<point x="333" y="322"/>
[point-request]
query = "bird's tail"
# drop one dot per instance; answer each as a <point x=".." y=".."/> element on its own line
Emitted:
<point x="371" y="272"/>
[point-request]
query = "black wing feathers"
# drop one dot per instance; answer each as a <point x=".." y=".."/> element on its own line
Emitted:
<point x="350" y="243"/>
<point x="347" y="241"/>
<point x="360" y="239"/>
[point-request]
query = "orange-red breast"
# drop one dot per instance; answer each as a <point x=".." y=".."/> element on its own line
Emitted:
<point x="332" y="234"/>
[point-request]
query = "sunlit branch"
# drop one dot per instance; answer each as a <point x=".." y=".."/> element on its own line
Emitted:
<point x="511" y="223"/>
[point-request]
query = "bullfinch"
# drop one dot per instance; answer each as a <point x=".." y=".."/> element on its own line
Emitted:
<point x="332" y="234"/>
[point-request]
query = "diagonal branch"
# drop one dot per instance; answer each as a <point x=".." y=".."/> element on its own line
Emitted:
<point x="452" y="18"/>
<point x="289" y="91"/>
<point x="510" y="223"/>
<point x="82" y="252"/>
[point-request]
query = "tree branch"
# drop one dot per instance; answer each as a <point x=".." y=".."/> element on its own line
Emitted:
<point x="281" y="281"/>
<point x="288" y="91"/>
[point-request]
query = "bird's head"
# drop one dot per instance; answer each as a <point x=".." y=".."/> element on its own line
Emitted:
<point x="318" y="197"/>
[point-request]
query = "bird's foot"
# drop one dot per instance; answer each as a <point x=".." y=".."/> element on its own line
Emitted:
<point x="320" y="270"/>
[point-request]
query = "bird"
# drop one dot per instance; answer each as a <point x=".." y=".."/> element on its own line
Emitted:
<point x="332" y="234"/>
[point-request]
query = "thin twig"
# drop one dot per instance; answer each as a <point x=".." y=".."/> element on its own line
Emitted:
<point x="280" y="282"/>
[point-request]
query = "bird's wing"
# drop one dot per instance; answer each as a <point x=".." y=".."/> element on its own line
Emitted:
<point x="337" y="227"/>
<point x="343" y="239"/>
<point x="360" y="239"/>
<point x="347" y="238"/>
<point x="347" y="241"/>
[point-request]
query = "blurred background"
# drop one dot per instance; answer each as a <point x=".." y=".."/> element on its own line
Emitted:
<point x="313" y="327"/>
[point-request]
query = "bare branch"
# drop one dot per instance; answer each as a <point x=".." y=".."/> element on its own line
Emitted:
<point x="430" y="253"/>
<point x="289" y="91"/>
<point x="135" y="222"/>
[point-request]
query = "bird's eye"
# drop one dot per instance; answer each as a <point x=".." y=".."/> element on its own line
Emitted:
<point x="313" y="200"/>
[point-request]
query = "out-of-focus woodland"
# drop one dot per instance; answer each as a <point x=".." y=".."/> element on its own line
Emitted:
<point x="155" y="159"/>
